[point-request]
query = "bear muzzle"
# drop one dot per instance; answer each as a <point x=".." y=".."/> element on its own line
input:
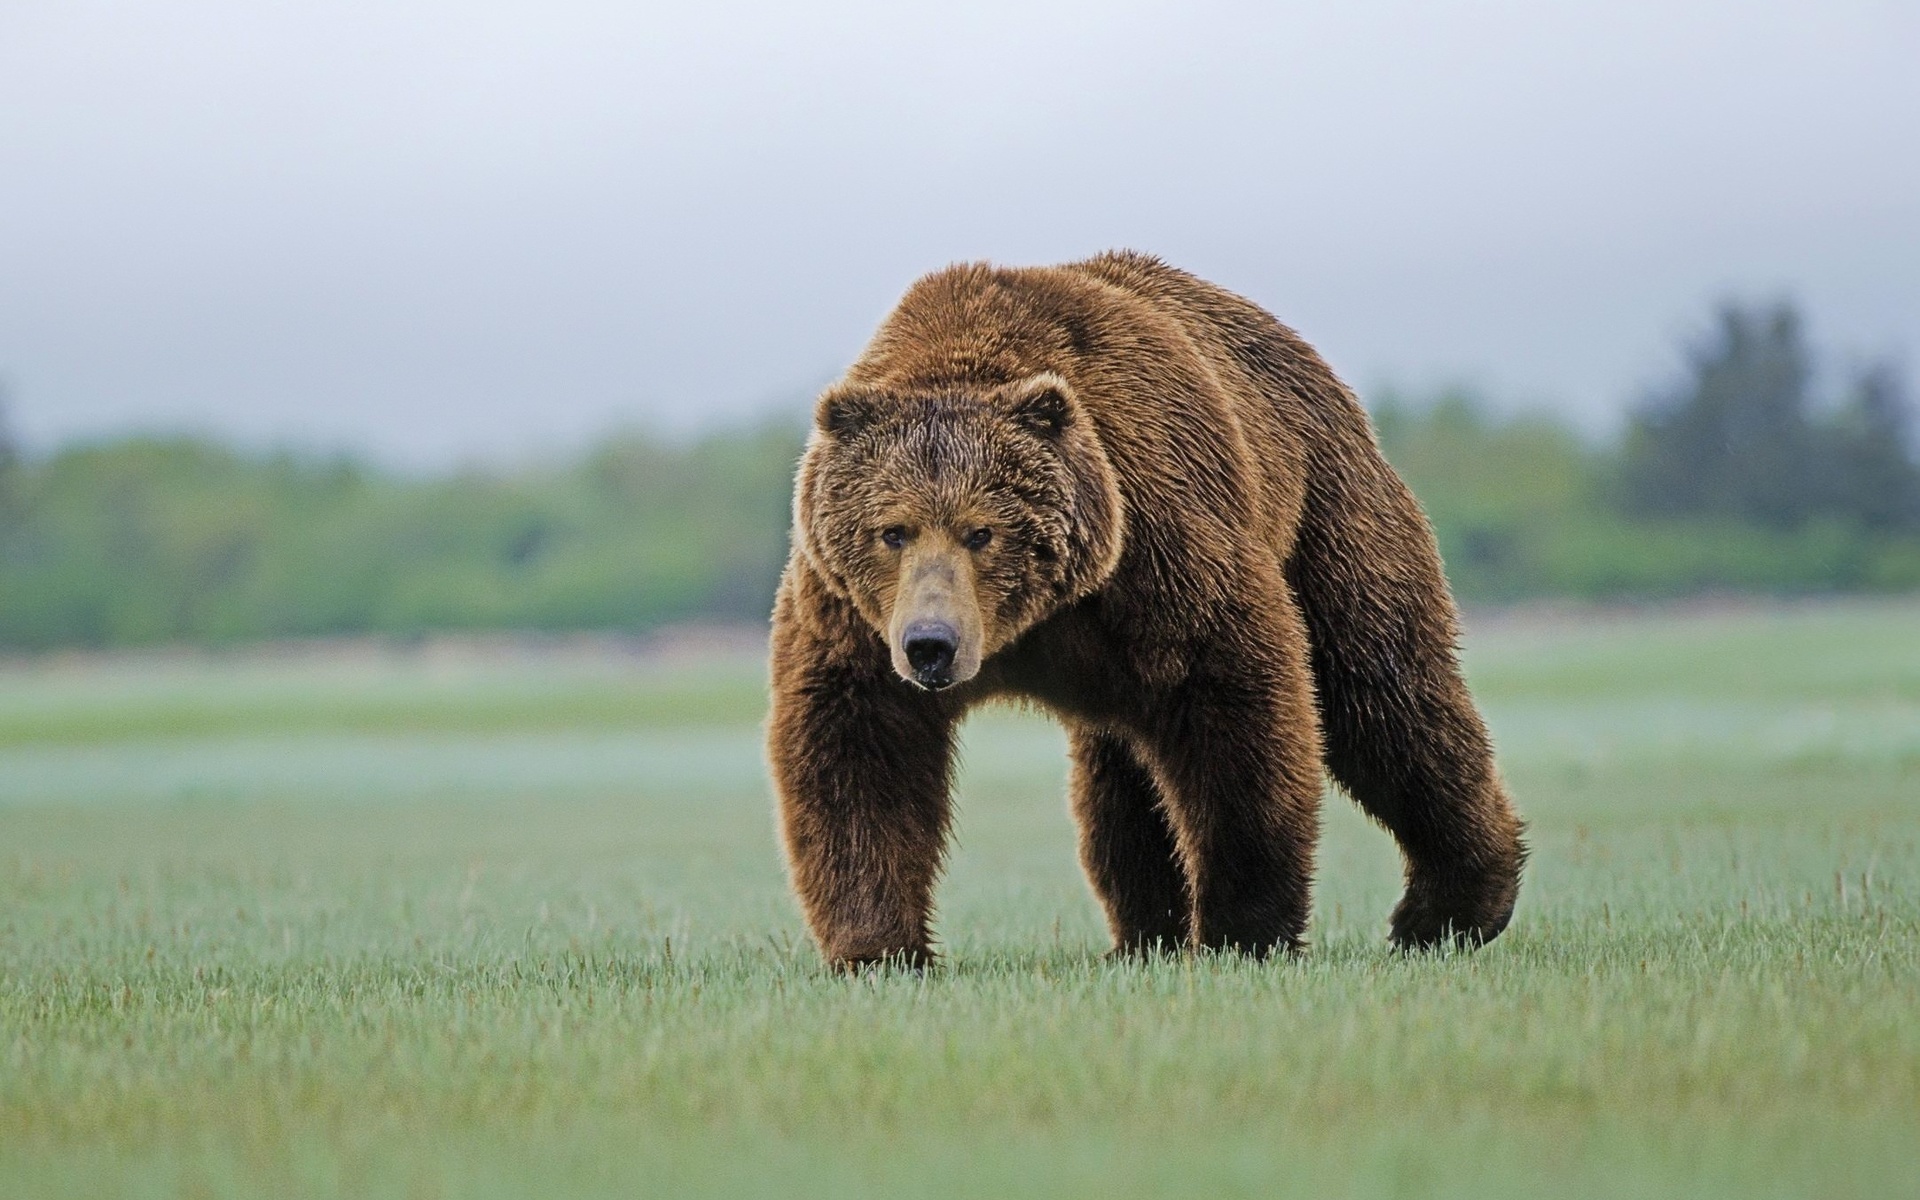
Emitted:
<point x="935" y="634"/>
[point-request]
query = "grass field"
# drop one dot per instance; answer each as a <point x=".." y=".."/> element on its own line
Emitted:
<point x="495" y="924"/>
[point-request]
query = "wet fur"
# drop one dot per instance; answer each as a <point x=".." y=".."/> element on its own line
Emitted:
<point x="1204" y="568"/>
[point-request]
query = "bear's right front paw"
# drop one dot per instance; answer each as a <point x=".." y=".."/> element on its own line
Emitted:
<point x="1146" y="948"/>
<point x="903" y="958"/>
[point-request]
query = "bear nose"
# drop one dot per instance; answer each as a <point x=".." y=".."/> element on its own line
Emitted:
<point x="930" y="647"/>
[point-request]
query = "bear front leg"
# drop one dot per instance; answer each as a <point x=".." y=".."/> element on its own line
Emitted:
<point x="862" y="763"/>
<point x="1126" y="845"/>
<point x="1238" y="751"/>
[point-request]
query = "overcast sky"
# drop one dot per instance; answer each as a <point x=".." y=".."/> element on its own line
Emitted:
<point x="438" y="231"/>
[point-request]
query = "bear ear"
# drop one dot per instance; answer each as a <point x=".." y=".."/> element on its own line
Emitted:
<point x="841" y="414"/>
<point x="1043" y="405"/>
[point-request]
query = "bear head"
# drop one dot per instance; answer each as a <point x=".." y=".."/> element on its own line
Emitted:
<point x="956" y="516"/>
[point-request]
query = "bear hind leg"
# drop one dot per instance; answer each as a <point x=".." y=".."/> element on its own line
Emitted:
<point x="1402" y="736"/>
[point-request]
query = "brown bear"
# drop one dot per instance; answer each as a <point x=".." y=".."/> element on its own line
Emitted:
<point x="1127" y="496"/>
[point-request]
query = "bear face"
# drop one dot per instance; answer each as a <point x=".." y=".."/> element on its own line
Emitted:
<point x="956" y="517"/>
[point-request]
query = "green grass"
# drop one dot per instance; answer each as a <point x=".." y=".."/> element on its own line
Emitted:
<point x="420" y="926"/>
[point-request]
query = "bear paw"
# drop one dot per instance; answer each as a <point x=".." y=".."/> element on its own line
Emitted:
<point x="865" y="959"/>
<point x="1456" y="909"/>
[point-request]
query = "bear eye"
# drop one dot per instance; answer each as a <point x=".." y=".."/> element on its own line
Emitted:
<point x="978" y="539"/>
<point x="895" y="536"/>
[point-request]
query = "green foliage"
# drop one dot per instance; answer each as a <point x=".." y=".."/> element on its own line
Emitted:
<point x="1524" y="508"/>
<point x="1743" y="437"/>
<point x="145" y="540"/>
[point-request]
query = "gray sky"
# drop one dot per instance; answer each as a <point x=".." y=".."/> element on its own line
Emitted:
<point x="436" y="231"/>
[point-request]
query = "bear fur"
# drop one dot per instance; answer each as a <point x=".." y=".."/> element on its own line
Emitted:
<point x="1136" y="500"/>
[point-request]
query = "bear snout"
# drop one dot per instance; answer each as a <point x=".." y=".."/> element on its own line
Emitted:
<point x="930" y="648"/>
<point x="934" y="630"/>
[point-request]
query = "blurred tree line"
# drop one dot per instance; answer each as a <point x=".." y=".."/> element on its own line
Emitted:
<point x="1737" y="478"/>
<point x="146" y="540"/>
